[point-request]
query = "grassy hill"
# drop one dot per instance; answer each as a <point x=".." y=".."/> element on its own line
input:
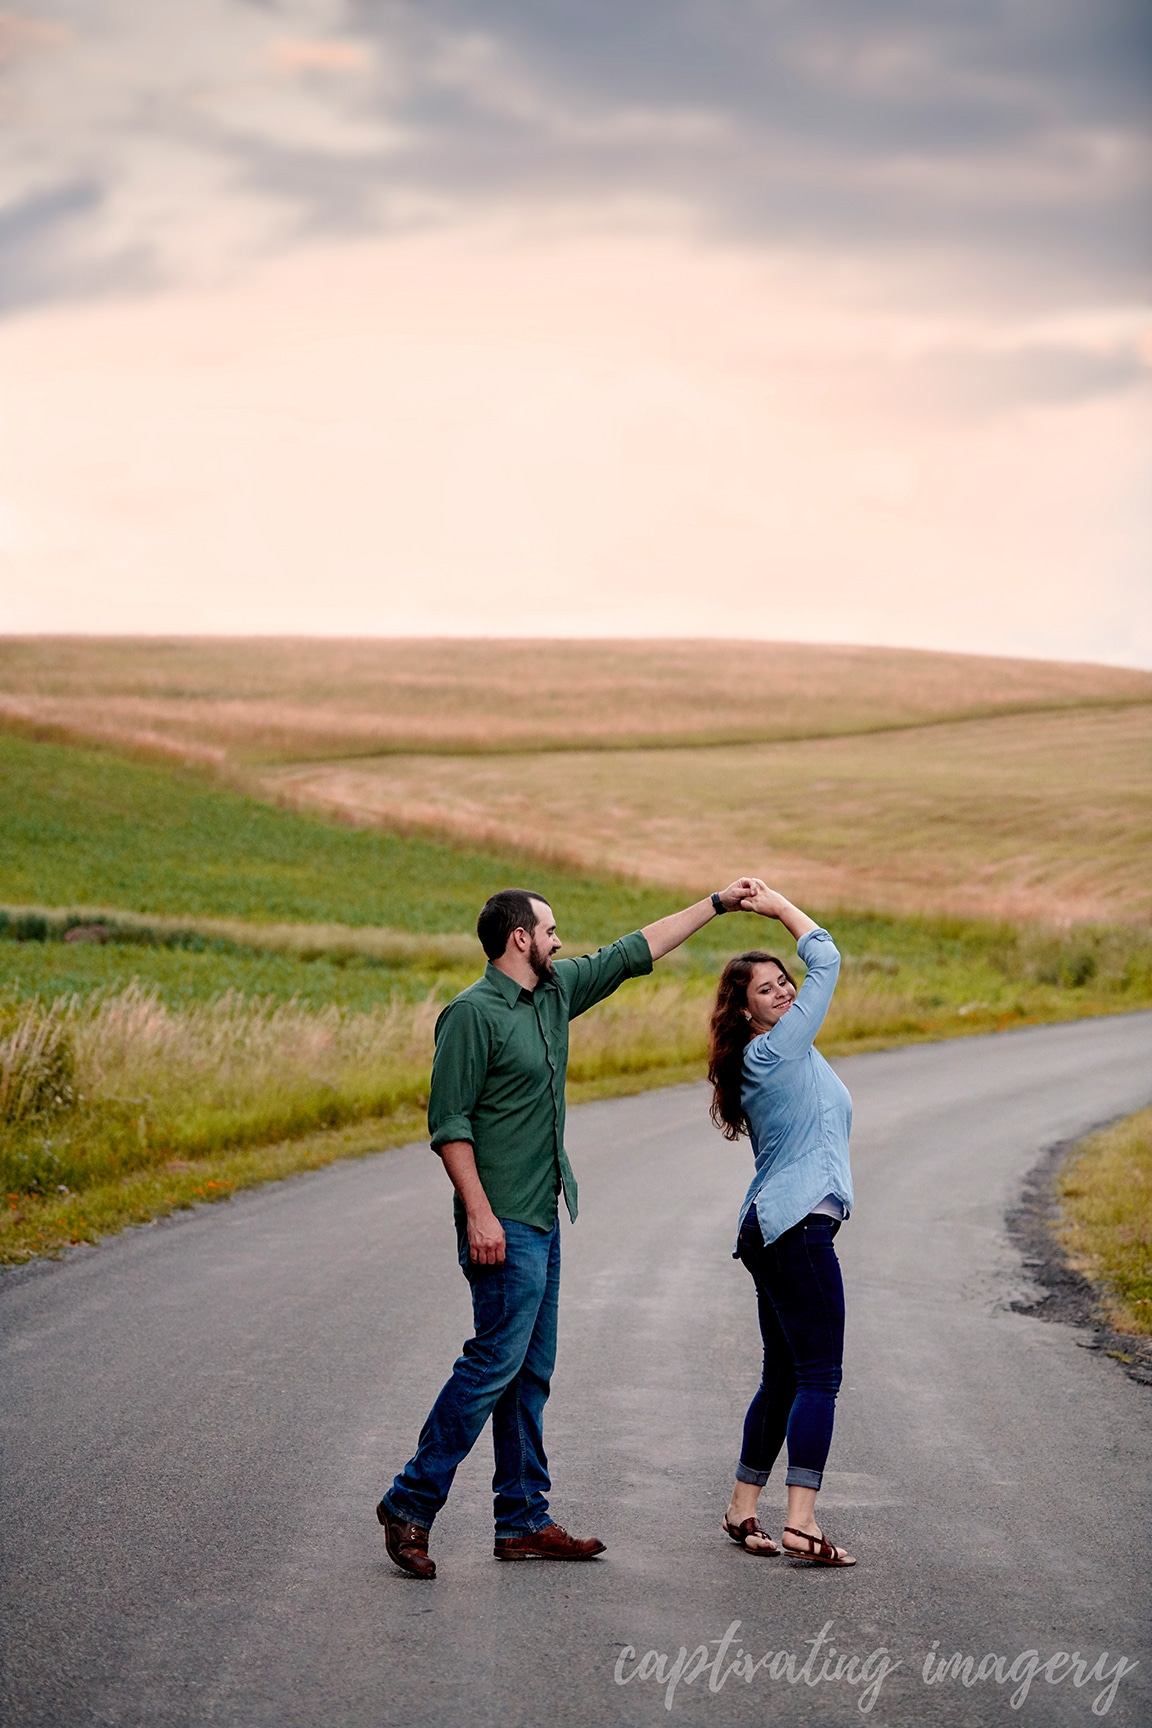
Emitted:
<point x="860" y="778"/>
<point x="82" y="827"/>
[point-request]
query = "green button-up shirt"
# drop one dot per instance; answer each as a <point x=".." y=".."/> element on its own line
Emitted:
<point x="499" y="1071"/>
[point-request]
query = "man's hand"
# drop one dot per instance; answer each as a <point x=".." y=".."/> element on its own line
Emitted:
<point x="485" y="1231"/>
<point x="758" y="897"/>
<point x="486" y="1239"/>
<point x="733" y="897"/>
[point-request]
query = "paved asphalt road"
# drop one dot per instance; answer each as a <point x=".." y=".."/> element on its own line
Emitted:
<point x="199" y="1417"/>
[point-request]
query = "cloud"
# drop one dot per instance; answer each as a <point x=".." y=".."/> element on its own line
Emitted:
<point x="20" y="35"/>
<point x="298" y="54"/>
<point x="997" y="148"/>
<point x="1016" y="129"/>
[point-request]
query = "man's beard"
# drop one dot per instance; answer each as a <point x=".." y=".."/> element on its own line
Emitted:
<point x="541" y="964"/>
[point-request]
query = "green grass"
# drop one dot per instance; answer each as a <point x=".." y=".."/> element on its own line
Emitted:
<point x="1106" y="1197"/>
<point x="33" y="1224"/>
<point x="82" y="828"/>
<point x="119" y="1083"/>
<point x="926" y="971"/>
<point x="180" y="975"/>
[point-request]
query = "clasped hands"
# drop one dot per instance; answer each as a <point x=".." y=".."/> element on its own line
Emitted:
<point x="752" y="894"/>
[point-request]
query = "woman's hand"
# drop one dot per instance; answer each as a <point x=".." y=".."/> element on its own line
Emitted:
<point x="770" y="904"/>
<point x="763" y="899"/>
<point x="732" y="897"/>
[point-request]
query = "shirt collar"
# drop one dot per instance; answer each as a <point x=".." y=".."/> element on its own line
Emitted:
<point x="508" y="987"/>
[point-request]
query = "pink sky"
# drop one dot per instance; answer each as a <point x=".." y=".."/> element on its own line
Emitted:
<point x="441" y="332"/>
<point x="507" y="432"/>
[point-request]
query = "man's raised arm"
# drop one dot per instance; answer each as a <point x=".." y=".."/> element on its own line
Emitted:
<point x="668" y="933"/>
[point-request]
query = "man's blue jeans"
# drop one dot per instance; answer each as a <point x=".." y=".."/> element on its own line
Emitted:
<point x="505" y="1371"/>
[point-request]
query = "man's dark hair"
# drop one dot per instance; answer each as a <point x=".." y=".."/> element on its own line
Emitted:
<point x="511" y="909"/>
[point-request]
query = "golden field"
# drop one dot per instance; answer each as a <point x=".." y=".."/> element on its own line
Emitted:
<point x="229" y="702"/>
<point x="1039" y="817"/>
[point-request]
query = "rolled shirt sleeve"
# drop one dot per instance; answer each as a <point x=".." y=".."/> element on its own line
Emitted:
<point x="459" y="1068"/>
<point x="591" y="977"/>
<point x="499" y="1071"/>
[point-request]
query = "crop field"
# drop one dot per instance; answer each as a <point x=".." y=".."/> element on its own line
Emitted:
<point x="269" y="934"/>
<point x="1042" y="817"/>
<point x="220" y="702"/>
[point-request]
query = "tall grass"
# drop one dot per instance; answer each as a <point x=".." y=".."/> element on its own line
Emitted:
<point x="111" y="1085"/>
<point x="120" y="1082"/>
<point x="96" y="1088"/>
<point x="36" y="1064"/>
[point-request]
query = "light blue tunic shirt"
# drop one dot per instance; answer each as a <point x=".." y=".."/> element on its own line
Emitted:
<point x="799" y="1113"/>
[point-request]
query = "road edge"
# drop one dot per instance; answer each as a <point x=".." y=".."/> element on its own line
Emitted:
<point x="1066" y="1296"/>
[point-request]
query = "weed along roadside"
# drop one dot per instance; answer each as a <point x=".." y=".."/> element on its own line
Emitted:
<point x="1105" y="1229"/>
<point x="34" y="1224"/>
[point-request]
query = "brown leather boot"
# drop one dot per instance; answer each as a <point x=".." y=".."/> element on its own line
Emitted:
<point x="551" y="1543"/>
<point x="407" y="1544"/>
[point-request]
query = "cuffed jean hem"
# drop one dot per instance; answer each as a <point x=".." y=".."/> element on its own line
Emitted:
<point x="756" y="1477"/>
<point x="504" y="1531"/>
<point x="388" y="1501"/>
<point x="798" y="1477"/>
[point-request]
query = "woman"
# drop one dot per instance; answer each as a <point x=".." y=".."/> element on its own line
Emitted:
<point x="769" y="1083"/>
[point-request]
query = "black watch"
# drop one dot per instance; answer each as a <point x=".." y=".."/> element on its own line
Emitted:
<point x="718" y="906"/>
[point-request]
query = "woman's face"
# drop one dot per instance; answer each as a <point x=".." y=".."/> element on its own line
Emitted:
<point x="769" y="995"/>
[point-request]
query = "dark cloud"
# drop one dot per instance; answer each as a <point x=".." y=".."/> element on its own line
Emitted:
<point x="1013" y="134"/>
<point x="43" y="256"/>
<point x="1004" y="139"/>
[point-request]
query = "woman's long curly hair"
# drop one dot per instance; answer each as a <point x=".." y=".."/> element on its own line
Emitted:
<point x="728" y="1034"/>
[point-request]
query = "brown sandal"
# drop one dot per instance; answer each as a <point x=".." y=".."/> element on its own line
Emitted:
<point x="819" y="1549"/>
<point x="750" y="1527"/>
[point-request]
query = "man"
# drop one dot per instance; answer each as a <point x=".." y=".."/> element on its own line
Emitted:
<point x="496" y="1118"/>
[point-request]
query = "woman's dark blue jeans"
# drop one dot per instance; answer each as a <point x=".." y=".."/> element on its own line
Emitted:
<point x="800" y="1296"/>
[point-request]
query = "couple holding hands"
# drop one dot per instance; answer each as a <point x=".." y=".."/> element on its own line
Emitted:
<point x="496" y="1118"/>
